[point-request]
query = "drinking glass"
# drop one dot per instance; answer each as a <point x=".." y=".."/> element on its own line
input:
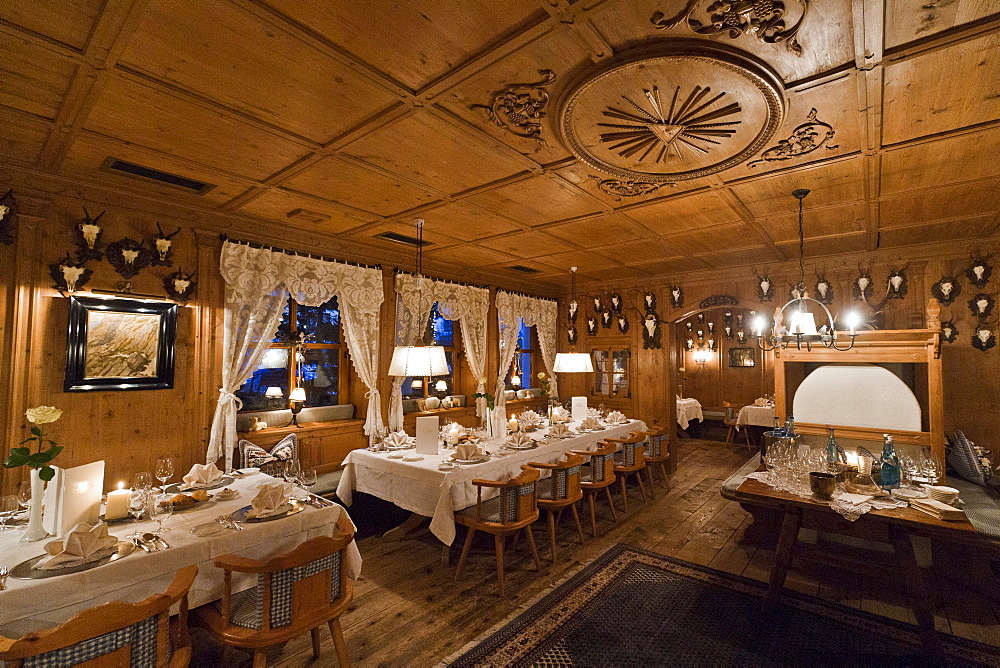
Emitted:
<point x="24" y="493"/>
<point x="291" y="471"/>
<point x="160" y="510"/>
<point x="8" y="506"/>
<point x="164" y="470"/>
<point x="138" y="500"/>
<point x="308" y="478"/>
<point x="143" y="481"/>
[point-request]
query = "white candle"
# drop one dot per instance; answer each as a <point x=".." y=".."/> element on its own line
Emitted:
<point x="117" y="504"/>
<point x="852" y="459"/>
<point x="512" y="424"/>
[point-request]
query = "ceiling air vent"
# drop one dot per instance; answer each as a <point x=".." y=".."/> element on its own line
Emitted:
<point x="403" y="239"/>
<point x="150" y="174"/>
<point x="524" y="270"/>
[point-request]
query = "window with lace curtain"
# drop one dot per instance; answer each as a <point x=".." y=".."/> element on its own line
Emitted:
<point x="444" y="333"/>
<point x="523" y="363"/>
<point x="317" y="367"/>
<point x="611" y="372"/>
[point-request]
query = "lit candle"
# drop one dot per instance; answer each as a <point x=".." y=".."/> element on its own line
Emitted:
<point x="453" y="435"/>
<point x="852" y="459"/>
<point x="512" y="424"/>
<point x="117" y="504"/>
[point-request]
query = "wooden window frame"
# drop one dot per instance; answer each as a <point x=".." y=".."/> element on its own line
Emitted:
<point x="611" y="350"/>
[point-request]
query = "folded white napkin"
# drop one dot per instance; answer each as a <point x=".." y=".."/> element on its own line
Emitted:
<point x="530" y="417"/>
<point x="560" y="430"/>
<point x="560" y="414"/>
<point x="202" y="475"/>
<point x="397" y="439"/>
<point x="452" y="426"/>
<point x="937" y="509"/>
<point x="594" y="412"/>
<point x="616" y="416"/>
<point x="760" y="402"/>
<point x="590" y="423"/>
<point x="82" y="545"/>
<point x="520" y="440"/>
<point x="467" y="451"/>
<point x="854" y="499"/>
<point x="270" y="500"/>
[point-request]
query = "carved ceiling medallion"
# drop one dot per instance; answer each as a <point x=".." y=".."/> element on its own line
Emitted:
<point x="621" y="189"/>
<point x="681" y="110"/>
<point x="764" y="19"/>
<point x="806" y="138"/>
<point x="519" y="108"/>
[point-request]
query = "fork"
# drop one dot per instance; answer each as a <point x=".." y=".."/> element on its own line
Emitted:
<point x="4" y="572"/>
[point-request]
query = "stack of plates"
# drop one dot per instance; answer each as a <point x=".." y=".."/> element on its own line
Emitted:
<point x="948" y="495"/>
<point x="937" y="509"/>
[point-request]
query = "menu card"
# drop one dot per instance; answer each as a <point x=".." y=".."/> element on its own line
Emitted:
<point x="427" y="435"/>
<point x="579" y="406"/>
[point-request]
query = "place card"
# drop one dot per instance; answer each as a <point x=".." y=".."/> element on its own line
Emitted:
<point x="427" y="435"/>
<point x="579" y="407"/>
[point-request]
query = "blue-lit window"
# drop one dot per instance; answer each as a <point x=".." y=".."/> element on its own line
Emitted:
<point x="521" y="376"/>
<point x="444" y="333"/>
<point x="315" y="333"/>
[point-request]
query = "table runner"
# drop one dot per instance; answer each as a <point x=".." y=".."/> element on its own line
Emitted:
<point x="687" y="410"/>
<point x="422" y="489"/>
<point x="29" y="605"/>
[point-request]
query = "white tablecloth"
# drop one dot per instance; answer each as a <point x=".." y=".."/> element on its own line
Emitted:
<point x="422" y="489"/>
<point x="762" y="416"/>
<point x="35" y="604"/>
<point x="687" y="410"/>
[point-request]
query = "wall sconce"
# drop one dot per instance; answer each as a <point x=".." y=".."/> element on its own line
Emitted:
<point x="702" y="356"/>
<point x="296" y="400"/>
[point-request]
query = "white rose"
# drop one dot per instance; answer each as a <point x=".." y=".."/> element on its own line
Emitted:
<point x="43" y="414"/>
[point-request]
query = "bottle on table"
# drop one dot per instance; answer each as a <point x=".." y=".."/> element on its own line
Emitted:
<point x="833" y="452"/>
<point x="777" y="428"/>
<point x="890" y="464"/>
<point x="790" y="428"/>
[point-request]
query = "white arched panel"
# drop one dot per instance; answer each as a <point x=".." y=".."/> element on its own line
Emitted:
<point x="856" y="396"/>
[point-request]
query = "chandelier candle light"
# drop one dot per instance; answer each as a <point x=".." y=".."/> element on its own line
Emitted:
<point x="573" y="362"/>
<point x="802" y="323"/>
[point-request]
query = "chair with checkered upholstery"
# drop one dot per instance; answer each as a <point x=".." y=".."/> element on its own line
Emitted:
<point x="113" y="634"/>
<point x="296" y="592"/>
<point x="630" y="459"/>
<point x="599" y="475"/>
<point x="656" y="452"/>
<point x="560" y="490"/>
<point x="513" y="509"/>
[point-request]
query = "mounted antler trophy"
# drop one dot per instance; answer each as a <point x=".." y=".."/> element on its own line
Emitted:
<point x="180" y="285"/>
<point x="676" y="296"/>
<point x="824" y="291"/>
<point x="981" y="305"/>
<point x="861" y="288"/>
<point x="606" y="319"/>
<point x="128" y="257"/>
<point x="649" y="302"/>
<point x="765" y="288"/>
<point x="598" y="306"/>
<point x="946" y="290"/>
<point x="983" y="338"/>
<point x="949" y="332"/>
<point x="651" y="335"/>
<point x="616" y="302"/>
<point x="591" y="326"/>
<point x="163" y="245"/>
<point x="796" y="291"/>
<point x="980" y="271"/>
<point x="88" y="236"/>
<point x="622" y="323"/>
<point x="896" y="284"/>
<point x="571" y="335"/>
<point x="69" y="276"/>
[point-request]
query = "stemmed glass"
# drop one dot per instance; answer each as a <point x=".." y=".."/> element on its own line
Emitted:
<point x="164" y="470"/>
<point x="143" y="481"/>
<point x="308" y="478"/>
<point x="8" y="506"/>
<point x="161" y="510"/>
<point x="138" y="500"/>
<point x="291" y="471"/>
<point x="24" y="493"/>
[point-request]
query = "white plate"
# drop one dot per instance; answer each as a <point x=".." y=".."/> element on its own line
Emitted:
<point x="397" y="455"/>
<point x="412" y="458"/>
<point x="908" y="494"/>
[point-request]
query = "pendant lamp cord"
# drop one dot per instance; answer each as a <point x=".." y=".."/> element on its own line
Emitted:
<point x="802" y="250"/>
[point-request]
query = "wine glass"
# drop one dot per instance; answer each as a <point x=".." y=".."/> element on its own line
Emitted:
<point x="164" y="470"/>
<point x="143" y="481"/>
<point x="8" y="506"/>
<point x="308" y="478"/>
<point x="161" y="510"/>
<point x="291" y="470"/>
<point x="24" y="493"/>
<point x="138" y="500"/>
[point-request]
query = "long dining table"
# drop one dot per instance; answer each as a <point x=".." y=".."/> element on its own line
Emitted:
<point x="425" y="490"/>
<point x="30" y="605"/>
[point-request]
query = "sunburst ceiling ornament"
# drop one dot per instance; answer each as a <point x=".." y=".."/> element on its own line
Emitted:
<point x="687" y="124"/>
<point x="679" y="110"/>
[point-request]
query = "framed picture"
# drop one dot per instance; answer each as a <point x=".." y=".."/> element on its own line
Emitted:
<point x="120" y="344"/>
<point x="741" y="357"/>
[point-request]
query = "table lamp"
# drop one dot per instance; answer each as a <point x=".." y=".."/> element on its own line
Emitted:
<point x="296" y="400"/>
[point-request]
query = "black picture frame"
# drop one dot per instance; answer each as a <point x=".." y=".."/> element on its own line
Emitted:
<point x="114" y="338"/>
<point x="742" y="357"/>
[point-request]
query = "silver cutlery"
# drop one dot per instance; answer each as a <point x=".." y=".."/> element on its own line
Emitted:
<point x="225" y="521"/>
<point x="138" y="543"/>
<point x="155" y="541"/>
<point x="4" y="572"/>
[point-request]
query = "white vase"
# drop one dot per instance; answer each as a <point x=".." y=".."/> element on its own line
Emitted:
<point x="35" y="530"/>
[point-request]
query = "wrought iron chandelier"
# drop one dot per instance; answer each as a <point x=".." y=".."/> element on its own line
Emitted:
<point x="801" y="329"/>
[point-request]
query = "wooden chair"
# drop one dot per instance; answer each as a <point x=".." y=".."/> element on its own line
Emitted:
<point x="630" y="459"/>
<point x="559" y="491"/>
<point x="656" y="453"/>
<point x="296" y="592"/>
<point x="514" y="509"/>
<point x="599" y="475"/>
<point x="113" y="634"/>
<point x="732" y="412"/>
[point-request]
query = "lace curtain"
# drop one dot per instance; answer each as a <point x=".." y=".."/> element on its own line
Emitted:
<point x="257" y="283"/>
<point x="415" y="297"/>
<point x="536" y="312"/>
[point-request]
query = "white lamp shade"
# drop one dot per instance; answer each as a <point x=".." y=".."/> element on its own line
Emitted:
<point x="573" y="363"/>
<point x="297" y="394"/>
<point x="274" y="393"/>
<point x="803" y="323"/>
<point x="418" y="361"/>
<point x="441" y="386"/>
<point x="515" y="380"/>
<point x="417" y="384"/>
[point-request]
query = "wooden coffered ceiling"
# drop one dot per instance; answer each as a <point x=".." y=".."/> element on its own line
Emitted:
<point x="362" y="116"/>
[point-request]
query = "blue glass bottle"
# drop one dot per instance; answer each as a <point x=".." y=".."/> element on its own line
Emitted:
<point x="776" y="433"/>
<point x="832" y="452"/>
<point x="790" y="427"/>
<point x="890" y="464"/>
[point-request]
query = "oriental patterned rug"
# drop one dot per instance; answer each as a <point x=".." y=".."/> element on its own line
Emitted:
<point x="631" y="607"/>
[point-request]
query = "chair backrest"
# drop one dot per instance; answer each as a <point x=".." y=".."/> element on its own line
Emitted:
<point x="518" y="498"/>
<point x="295" y="589"/>
<point x="633" y="452"/>
<point x="250" y="454"/>
<point x="731" y="411"/>
<point x="113" y="634"/>
<point x="565" y="477"/>
<point x="602" y="461"/>
<point x="657" y="441"/>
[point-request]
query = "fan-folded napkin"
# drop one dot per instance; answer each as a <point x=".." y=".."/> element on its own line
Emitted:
<point x="560" y="430"/>
<point x="467" y="451"/>
<point x="454" y="426"/>
<point x="202" y="475"/>
<point x="616" y="416"/>
<point x="530" y="417"/>
<point x="590" y="423"/>
<point x="594" y="412"/>
<point x="520" y="440"/>
<point x="560" y="414"/>
<point x="761" y="402"/>
<point x="270" y="500"/>
<point x="82" y="545"/>
<point x="397" y="439"/>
